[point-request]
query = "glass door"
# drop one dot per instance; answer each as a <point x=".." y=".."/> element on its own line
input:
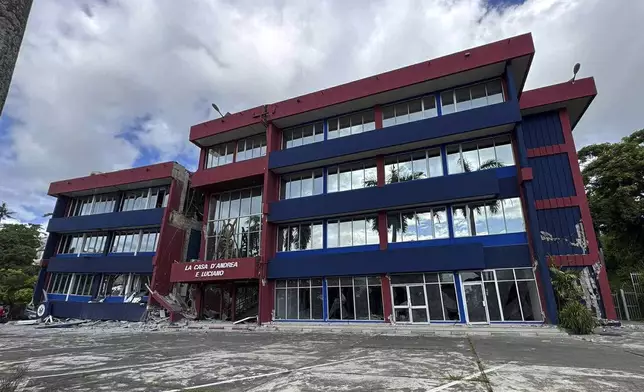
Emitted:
<point x="410" y="304"/>
<point x="475" y="303"/>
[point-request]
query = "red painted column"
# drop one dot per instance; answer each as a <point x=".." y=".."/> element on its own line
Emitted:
<point x="202" y="159"/>
<point x="593" y="247"/>
<point x="269" y="231"/>
<point x="382" y="229"/>
<point x="378" y="116"/>
<point x="386" y="298"/>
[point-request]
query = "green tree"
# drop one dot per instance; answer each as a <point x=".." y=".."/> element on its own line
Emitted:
<point x="19" y="246"/>
<point x="5" y="212"/>
<point x="614" y="178"/>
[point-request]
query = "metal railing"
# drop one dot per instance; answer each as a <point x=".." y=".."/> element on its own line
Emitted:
<point x="637" y="279"/>
<point x="629" y="305"/>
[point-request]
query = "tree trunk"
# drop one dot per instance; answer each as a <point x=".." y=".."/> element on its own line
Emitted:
<point x="13" y="21"/>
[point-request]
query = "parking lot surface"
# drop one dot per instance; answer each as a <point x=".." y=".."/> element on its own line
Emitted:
<point x="84" y="359"/>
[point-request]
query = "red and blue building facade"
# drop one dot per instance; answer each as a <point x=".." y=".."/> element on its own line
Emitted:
<point x="439" y="192"/>
<point x="110" y="235"/>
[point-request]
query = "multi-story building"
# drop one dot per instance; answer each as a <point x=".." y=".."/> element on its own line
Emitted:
<point x="439" y="192"/>
<point x="111" y="234"/>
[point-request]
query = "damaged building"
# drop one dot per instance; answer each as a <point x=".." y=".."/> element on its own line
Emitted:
<point x="435" y="193"/>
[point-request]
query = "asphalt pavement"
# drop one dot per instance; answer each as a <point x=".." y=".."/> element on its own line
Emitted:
<point x="117" y="359"/>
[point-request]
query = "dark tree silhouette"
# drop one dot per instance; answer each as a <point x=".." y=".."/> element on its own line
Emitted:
<point x="5" y="212"/>
<point x="495" y="207"/>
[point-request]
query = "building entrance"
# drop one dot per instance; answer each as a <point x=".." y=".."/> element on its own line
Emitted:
<point x="230" y="301"/>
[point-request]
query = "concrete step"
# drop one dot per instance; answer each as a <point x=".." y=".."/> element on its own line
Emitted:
<point x="533" y="330"/>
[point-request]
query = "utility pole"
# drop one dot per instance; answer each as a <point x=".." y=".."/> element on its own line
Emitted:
<point x="13" y="21"/>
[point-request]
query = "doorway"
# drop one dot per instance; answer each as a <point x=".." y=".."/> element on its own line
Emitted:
<point x="475" y="303"/>
<point x="410" y="303"/>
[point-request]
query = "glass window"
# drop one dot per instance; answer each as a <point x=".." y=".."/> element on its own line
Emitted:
<point x="302" y="135"/>
<point x="234" y="224"/>
<point x="413" y="110"/>
<point x="221" y="154"/>
<point x="352" y="177"/>
<point x="429" y="107"/>
<point x="470" y="157"/>
<point x="252" y="147"/>
<point x="352" y="232"/>
<point x="352" y="299"/>
<point x="470" y="97"/>
<point x="454" y="162"/>
<point x="460" y="221"/>
<point x="494" y="91"/>
<point x="303" y="236"/>
<point x="503" y="150"/>
<point x="479" y="97"/>
<point x="513" y="214"/>
<point x="447" y="102"/>
<point x="480" y="155"/>
<point x="388" y="116"/>
<point x="142" y="199"/>
<point x="425" y="224"/>
<point x="415" y="166"/>
<point x="495" y="217"/>
<point x="298" y="299"/>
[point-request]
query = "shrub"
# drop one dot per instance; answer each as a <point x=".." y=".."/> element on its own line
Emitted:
<point x="577" y="318"/>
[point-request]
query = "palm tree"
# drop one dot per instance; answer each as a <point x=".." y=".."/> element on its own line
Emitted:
<point x="396" y="225"/>
<point x="494" y="207"/>
<point x="5" y="212"/>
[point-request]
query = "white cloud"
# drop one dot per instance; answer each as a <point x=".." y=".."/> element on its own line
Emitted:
<point x="98" y="84"/>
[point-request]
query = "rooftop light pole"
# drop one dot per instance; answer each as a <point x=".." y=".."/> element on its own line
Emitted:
<point x="575" y="69"/>
<point x="217" y="109"/>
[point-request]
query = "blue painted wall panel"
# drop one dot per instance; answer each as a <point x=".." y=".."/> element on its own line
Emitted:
<point x="104" y="264"/>
<point x="413" y="132"/>
<point x="468" y="256"/>
<point x="552" y="177"/>
<point x="109" y="221"/>
<point x="438" y="190"/>
<point x="542" y="130"/>
<point x="558" y="231"/>
<point x="98" y="311"/>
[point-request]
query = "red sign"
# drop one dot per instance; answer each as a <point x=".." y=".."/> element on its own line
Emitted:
<point x="199" y="271"/>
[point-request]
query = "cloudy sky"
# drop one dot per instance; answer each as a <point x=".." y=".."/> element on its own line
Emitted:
<point x="105" y="85"/>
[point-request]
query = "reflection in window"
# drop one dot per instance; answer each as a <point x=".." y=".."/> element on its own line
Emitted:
<point x="82" y="244"/>
<point x="299" y="299"/>
<point x="91" y="205"/>
<point x="303" y="236"/>
<point x="351" y="177"/>
<point x="252" y="147"/>
<point x="352" y="232"/>
<point x="512" y="295"/>
<point x="480" y="155"/>
<point x="493" y="217"/>
<point x="143" y="199"/>
<point x="234" y="224"/>
<point x="135" y="241"/>
<point x="352" y="124"/>
<point x="220" y="155"/>
<point x="413" y="166"/>
<point x="355" y="298"/>
<point x="304" y="184"/>
<point x="413" y="110"/>
<point x="302" y="135"/>
<point x="418" y="225"/>
<point x="471" y="97"/>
